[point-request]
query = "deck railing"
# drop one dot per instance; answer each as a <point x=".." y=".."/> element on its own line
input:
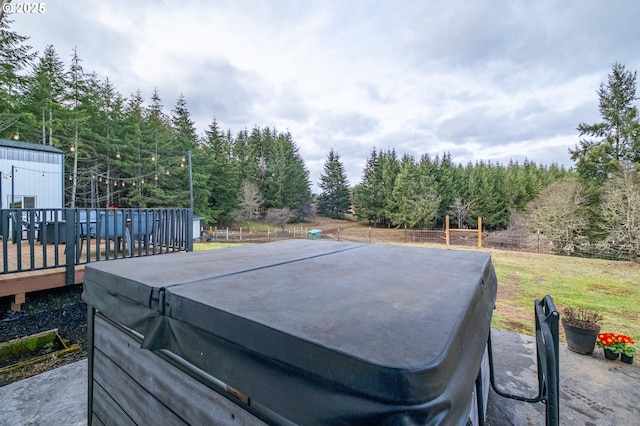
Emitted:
<point x="36" y="239"/>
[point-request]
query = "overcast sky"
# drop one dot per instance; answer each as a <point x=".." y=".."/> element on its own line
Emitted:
<point x="483" y="79"/>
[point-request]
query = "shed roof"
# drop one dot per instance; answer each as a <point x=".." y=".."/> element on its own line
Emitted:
<point x="29" y="145"/>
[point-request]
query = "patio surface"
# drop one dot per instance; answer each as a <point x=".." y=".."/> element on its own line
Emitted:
<point x="593" y="391"/>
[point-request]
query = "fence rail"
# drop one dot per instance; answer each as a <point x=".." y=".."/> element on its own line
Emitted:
<point x="501" y="240"/>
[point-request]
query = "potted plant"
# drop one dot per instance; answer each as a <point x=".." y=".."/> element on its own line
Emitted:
<point x="581" y="328"/>
<point x="610" y="344"/>
<point x="628" y="352"/>
<point x="615" y="344"/>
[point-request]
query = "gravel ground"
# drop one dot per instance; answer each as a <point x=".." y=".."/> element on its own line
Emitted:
<point x="59" y="308"/>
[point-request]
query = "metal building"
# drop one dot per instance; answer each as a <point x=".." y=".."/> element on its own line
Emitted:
<point x="31" y="175"/>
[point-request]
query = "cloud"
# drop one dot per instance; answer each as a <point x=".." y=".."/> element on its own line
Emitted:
<point x="487" y="79"/>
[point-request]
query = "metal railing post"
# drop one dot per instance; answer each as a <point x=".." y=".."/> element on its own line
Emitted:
<point x="70" y="239"/>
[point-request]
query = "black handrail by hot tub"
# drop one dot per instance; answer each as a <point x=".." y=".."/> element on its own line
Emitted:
<point x="548" y="362"/>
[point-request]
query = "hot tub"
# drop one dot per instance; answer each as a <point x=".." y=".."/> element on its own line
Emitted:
<point x="294" y="332"/>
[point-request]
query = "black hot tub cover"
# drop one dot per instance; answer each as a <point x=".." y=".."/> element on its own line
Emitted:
<point x="318" y="332"/>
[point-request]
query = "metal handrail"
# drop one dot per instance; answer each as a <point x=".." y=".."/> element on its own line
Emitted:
<point x="548" y="361"/>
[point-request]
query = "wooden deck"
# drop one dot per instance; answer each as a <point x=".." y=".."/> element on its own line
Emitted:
<point x="46" y="269"/>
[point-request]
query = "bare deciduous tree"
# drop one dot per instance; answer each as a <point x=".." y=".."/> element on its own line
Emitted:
<point x="250" y="203"/>
<point x="620" y="209"/>
<point x="460" y="210"/>
<point x="559" y="213"/>
<point x="278" y="217"/>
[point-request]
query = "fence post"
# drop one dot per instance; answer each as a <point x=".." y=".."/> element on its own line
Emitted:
<point x="227" y="238"/>
<point x="446" y="229"/>
<point x="369" y="235"/>
<point x="479" y="231"/>
<point x="241" y="233"/>
<point x="338" y="234"/>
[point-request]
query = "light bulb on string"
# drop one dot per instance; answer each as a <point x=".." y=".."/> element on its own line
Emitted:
<point x="156" y="177"/>
<point x="123" y="184"/>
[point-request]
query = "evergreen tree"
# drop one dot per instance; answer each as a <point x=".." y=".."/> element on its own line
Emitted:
<point x="390" y="168"/>
<point x="45" y="96"/>
<point x="221" y="182"/>
<point x="616" y="139"/>
<point x="15" y="57"/>
<point x="289" y="175"/>
<point x="367" y="196"/>
<point x="414" y="205"/>
<point x="335" y="199"/>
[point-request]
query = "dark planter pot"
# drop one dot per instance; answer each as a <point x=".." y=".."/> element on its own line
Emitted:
<point x="580" y="340"/>
<point x="626" y="359"/>
<point x="609" y="354"/>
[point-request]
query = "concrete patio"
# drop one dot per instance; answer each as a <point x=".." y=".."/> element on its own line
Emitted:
<point x="593" y="391"/>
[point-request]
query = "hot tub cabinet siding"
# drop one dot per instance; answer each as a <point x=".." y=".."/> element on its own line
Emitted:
<point x="296" y="332"/>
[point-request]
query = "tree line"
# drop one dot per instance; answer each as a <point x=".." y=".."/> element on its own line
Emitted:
<point x="125" y="151"/>
<point x="405" y="192"/>
<point x="593" y="210"/>
<point x="130" y="152"/>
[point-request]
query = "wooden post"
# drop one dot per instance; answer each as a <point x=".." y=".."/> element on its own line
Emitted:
<point x="369" y="235"/>
<point x="446" y="229"/>
<point x="479" y="231"/>
<point x="241" y="233"/>
<point x="338" y="234"/>
<point x="18" y="300"/>
<point x="227" y="234"/>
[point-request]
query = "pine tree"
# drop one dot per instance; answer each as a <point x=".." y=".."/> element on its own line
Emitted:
<point x="45" y="95"/>
<point x="335" y="199"/>
<point x="616" y="139"/>
<point x="221" y="179"/>
<point x="15" y="57"/>
<point x="367" y="196"/>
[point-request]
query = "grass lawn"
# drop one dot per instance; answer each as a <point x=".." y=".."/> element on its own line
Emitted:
<point x="214" y="245"/>
<point x="610" y="288"/>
